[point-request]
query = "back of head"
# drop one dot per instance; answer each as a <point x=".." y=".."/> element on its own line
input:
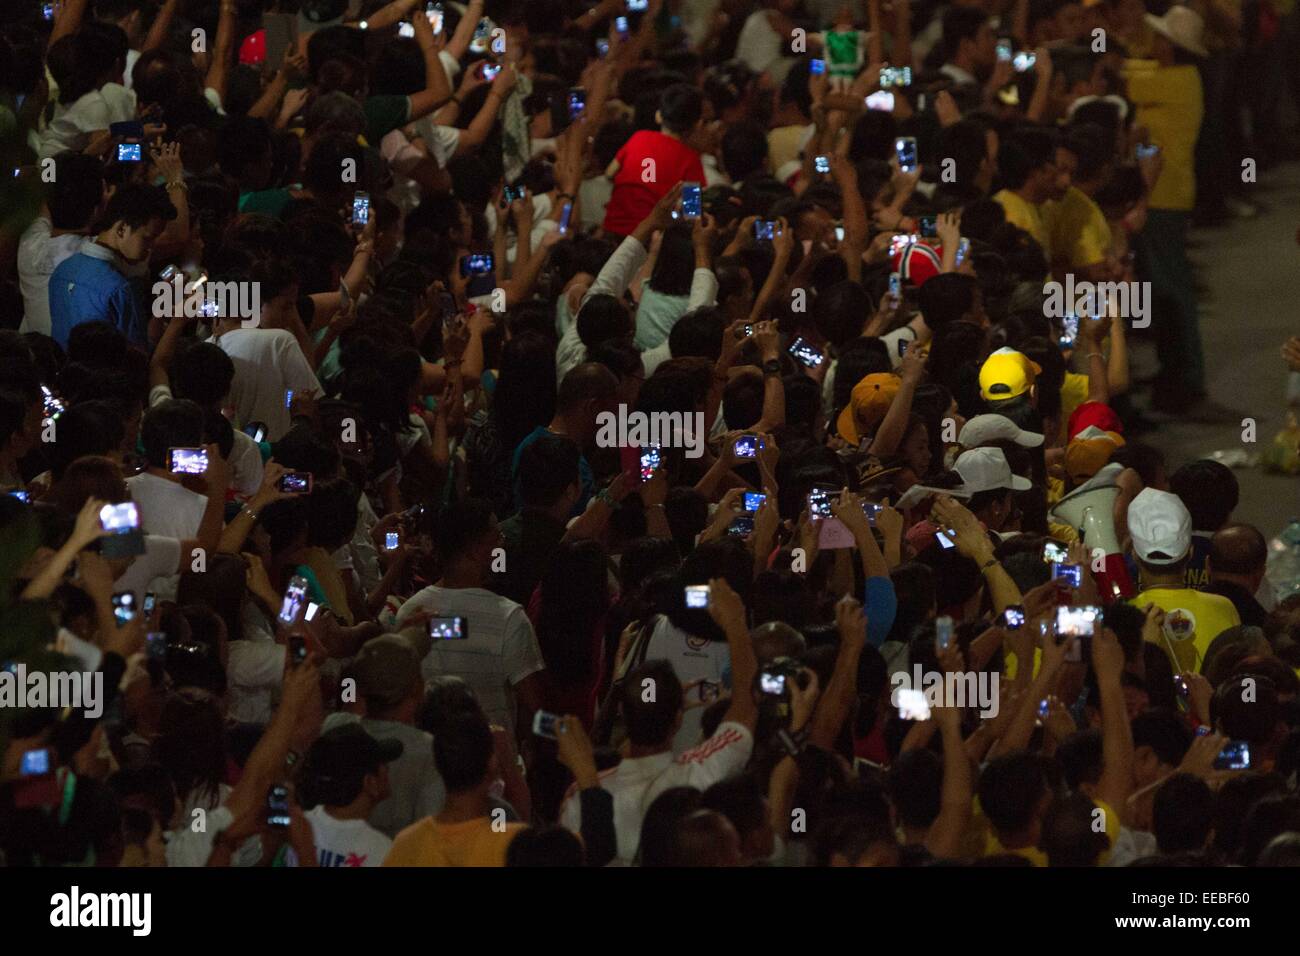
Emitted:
<point x="462" y="752"/>
<point x="1182" y="814"/>
<point x="681" y="107"/>
<point x="77" y="191"/>
<point x="547" y="468"/>
<point x="652" y="700"/>
<point x="588" y="382"/>
<point x="176" y="423"/>
<point x="1210" y="491"/>
<point x="1010" y="789"/>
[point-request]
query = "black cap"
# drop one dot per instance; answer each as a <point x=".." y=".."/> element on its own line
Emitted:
<point x="340" y="759"/>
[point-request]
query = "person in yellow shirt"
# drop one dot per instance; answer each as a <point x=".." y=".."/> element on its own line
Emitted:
<point x="1166" y="91"/>
<point x="1014" y="796"/>
<point x="469" y="830"/>
<point x="1030" y="177"/>
<point x="1076" y="226"/>
<point x="1161" y="528"/>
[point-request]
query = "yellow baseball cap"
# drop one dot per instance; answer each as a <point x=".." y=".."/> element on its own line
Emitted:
<point x="1007" y="374"/>
<point x="1089" y="451"/>
<point x="867" y="405"/>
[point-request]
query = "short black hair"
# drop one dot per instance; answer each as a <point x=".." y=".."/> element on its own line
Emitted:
<point x="681" y="106"/>
<point x="547" y="467"/>
<point x="1210" y="491"/>
<point x="1164" y="732"/>
<point x="915" y="784"/>
<point x="136" y="205"/>
<point x="461" y="525"/>
<point x="1182" y="814"/>
<point x="77" y="190"/>
<point x="650" y="722"/>
<point x="462" y="751"/>
<point x="744" y="148"/>
<point x="545" y="845"/>
<point x="201" y="372"/>
<point x="175" y="423"/>
<point x="946" y="298"/>
<point x="1010" y="789"/>
<point x="961" y="23"/>
<point x="1024" y="151"/>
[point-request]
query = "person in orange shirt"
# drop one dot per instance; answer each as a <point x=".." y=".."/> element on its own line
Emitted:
<point x="469" y="830"/>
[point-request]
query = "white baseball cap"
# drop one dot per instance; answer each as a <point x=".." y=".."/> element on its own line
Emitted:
<point x="983" y="469"/>
<point x="1160" y="525"/>
<point x="988" y="429"/>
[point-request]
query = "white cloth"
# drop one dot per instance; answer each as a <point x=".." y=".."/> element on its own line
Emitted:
<point x="245" y="456"/>
<point x="500" y="652"/>
<point x="39" y="254"/>
<point x="343" y="842"/>
<point x="635" y="782"/>
<point x="693" y="659"/>
<point x="155" y="570"/>
<point x="254" y="673"/>
<point x="167" y="507"/>
<point x="268" y="362"/>
<point x="98" y="109"/>
<point x="759" y="46"/>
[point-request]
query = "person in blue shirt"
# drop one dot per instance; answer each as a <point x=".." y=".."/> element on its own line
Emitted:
<point x="91" y="286"/>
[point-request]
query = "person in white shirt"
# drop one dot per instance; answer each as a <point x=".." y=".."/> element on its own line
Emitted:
<point x="74" y="200"/>
<point x="167" y="507"/>
<point x="93" y="97"/>
<point x="346" y="776"/>
<point x="653" y="705"/>
<point x="496" y="652"/>
<point x="269" y="365"/>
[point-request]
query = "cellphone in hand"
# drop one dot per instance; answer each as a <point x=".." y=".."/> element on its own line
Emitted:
<point x="746" y="446"/>
<point x="123" y="607"/>
<point x="691" y="201"/>
<point x="754" y="500"/>
<point x="1005" y="50"/>
<point x="187" y="461"/>
<point x="489" y="70"/>
<point x="1146" y="150"/>
<point x="882" y="101"/>
<point x="1024" y="61"/>
<point x="816" y="67"/>
<point x="945" y="542"/>
<point x="277" y="807"/>
<point x="651" y="456"/>
<point x="943" y="632"/>
<point x="1069" y="331"/>
<point x="1234" y="756"/>
<point x="1076" y="621"/>
<point x="905" y="150"/>
<point x="449" y="628"/>
<point x="295" y="482"/>
<point x="476" y="264"/>
<point x="822" y="164"/>
<point x="312" y="610"/>
<point x="577" y="102"/>
<point x="1013" y="618"/>
<point x="1071" y="574"/>
<point x="602" y="48"/>
<point x="391" y="540"/>
<point x="546" y="725"/>
<point x="913" y="705"/>
<point x="35" y="763"/>
<point x="963" y="250"/>
<point x="130" y="152"/>
<point x="765" y="230"/>
<point x="360" y="208"/>
<point x="47" y="11"/>
<point x="819" y="503"/>
<point x="256" y="431"/>
<point x="872" y="509"/>
<point x="566" y="212"/>
<point x="697" y="595"/>
<point x="805" y="354"/>
<point x="741" y="525"/>
<point x="295" y="596"/>
<point x="1054" y="553"/>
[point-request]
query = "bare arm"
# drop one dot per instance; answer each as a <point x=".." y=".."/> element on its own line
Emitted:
<point x="219" y="69"/>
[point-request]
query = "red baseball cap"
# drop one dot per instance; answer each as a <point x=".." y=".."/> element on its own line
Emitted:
<point x="1098" y="414"/>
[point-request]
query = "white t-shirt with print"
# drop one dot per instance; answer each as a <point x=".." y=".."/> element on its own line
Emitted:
<point x="635" y="782"/>
<point x="155" y="570"/>
<point x="167" y="507"/>
<point x="499" y="653"/>
<point x="693" y="659"/>
<point x="268" y="362"/>
<point x="343" y="842"/>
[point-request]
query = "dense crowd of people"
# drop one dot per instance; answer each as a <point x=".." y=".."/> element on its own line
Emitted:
<point x="538" y="433"/>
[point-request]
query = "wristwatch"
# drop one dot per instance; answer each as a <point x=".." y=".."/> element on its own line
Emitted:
<point x="772" y="367"/>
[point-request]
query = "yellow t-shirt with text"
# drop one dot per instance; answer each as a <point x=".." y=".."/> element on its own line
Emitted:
<point x="1192" y="620"/>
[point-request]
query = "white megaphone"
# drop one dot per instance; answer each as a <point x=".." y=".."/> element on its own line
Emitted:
<point x="1090" y="510"/>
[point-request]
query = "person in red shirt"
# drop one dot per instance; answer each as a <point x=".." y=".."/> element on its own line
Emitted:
<point x="651" y="163"/>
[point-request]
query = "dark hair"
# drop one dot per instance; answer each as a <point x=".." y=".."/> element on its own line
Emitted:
<point x="961" y="23"/>
<point x="651" y="723"/>
<point x="201" y="372"/>
<point x="675" y="266"/>
<point x="77" y="191"/>
<point x="526" y="387"/>
<point x="176" y="423"/>
<point x="332" y="513"/>
<point x="681" y="106"/>
<point x="574" y="598"/>
<point x="602" y="317"/>
<point x="1164" y="732"/>
<point x="1024" y="151"/>
<point x="584" y="383"/>
<point x="547" y="467"/>
<point x="1210" y="491"/>
<point x="1010" y="788"/>
<point x="136" y="205"/>
<point x="915" y="785"/>
<point x="244" y="140"/>
<point x="545" y="845"/>
<point x="698" y="333"/>
<point x="1069" y="837"/>
<point x="744" y="150"/>
<point x="462" y="524"/>
<point x="1182" y="814"/>
<point x="462" y="751"/>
